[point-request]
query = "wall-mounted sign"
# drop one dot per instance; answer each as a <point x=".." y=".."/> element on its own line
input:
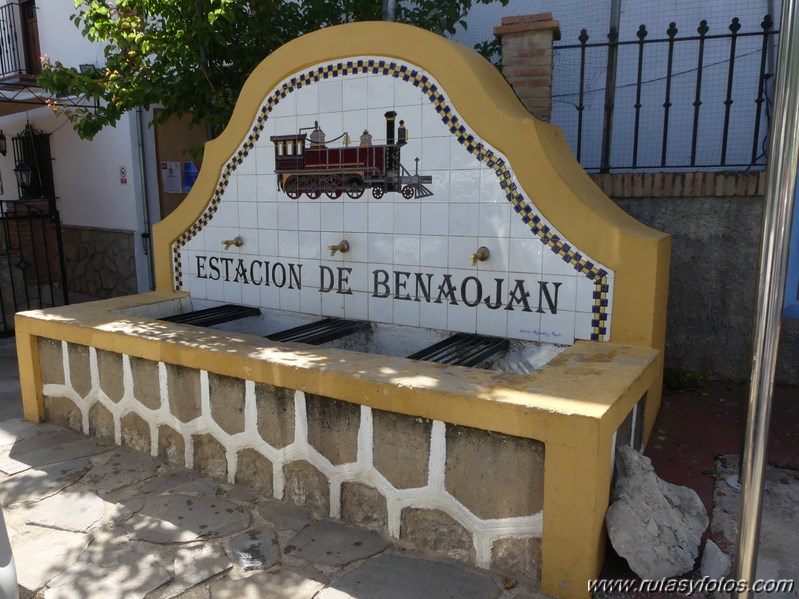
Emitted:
<point x="123" y="175"/>
<point x="170" y="177"/>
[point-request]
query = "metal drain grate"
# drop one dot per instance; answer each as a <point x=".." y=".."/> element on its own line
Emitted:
<point x="211" y="316"/>
<point x="320" y="331"/>
<point x="462" y="349"/>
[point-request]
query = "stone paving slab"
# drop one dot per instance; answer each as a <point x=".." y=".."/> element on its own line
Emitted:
<point x="184" y="518"/>
<point x="36" y="484"/>
<point x="179" y="481"/>
<point x="283" y="583"/>
<point x="120" y="469"/>
<point x="284" y="516"/>
<point x="41" y="553"/>
<point x="17" y="430"/>
<point x="395" y="577"/>
<point x="66" y="449"/>
<point x="192" y="566"/>
<point x="256" y="549"/>
<point x="335" y="543"/>
<point x="75" y="511"/>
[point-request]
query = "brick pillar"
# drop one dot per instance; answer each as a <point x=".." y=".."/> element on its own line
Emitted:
<point x="527" y="59"/>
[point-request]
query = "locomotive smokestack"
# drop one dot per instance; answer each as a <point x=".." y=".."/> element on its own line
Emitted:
<point x="390" y="116"/>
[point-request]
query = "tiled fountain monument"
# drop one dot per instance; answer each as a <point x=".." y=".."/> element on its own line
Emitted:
<point x="387" y="182"/>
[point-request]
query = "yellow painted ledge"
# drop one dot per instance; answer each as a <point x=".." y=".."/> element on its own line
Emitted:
<point x="573" y="404"/>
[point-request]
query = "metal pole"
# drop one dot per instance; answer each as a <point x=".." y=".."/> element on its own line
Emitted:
<point x="610" y="84"/>
<point x="389" y="10"/>
<point x="780" y="189"/>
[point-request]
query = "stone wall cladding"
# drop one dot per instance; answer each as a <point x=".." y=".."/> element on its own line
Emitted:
<point x="52" y="361"/>
<point x="227" y="402"/>
<point x="79" y="371"/>
<point x="347" y="474"/>
<point x="100" y="263"/>
<point x="109" y="367"/>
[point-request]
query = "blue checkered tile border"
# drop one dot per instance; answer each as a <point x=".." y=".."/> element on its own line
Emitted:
<point x="554" y="242"/>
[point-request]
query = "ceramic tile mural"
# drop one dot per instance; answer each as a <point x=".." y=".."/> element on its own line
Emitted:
<point x="370" y="152"/>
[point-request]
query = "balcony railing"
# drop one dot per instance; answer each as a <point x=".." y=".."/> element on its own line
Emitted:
<point x="19" y="36"/>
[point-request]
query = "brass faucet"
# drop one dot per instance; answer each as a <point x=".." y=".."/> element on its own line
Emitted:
<point x="481" y="254"/>
<point x="342" y="246"/>
<point x="237" y="241"/>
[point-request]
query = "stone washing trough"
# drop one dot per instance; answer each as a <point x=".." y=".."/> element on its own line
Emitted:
<point x="466" y="216"/>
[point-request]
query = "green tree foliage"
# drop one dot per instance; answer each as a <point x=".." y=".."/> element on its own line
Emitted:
<point x="193" y="56"/>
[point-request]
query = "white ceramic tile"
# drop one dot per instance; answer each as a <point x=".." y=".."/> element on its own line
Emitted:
<point x="381" y="309"/>
<point x="432" y="315"/>
<point x="461" y="157"/>
<point x="310" y="216"/>
<point x="309" y="245"/>
<point x="265" y="159"/>
<point x="288" y="244"/>
<point x="465" y="186"/>
<point x="553" y="264"/>
<point x="439" y="187"/>
<point x="231" y="292"/>
<point x="380" y="91"/>
<point x="523" y="325"/>
<point x="459" y="254"/>
<point x="434" y="218"/>
<point x="407" y="216"/>
<point x="356" y="306"/>
<point x="381" y="217"/>
<point x="359" y="278"/>
<point x="250" y="241"/>
<point x="286" y="107"/>
<point x="435" y="154"/>
<point x="266" y="188"/>
<point x="406" y="250"/>
<point x="332" y="215"/>
<point x="196" y="243"/>
<point x="491" y="322"/>
<point x="247" y="188"/>
<point x="380" y="248"/>
<point x="327" y="239"/>
<point x="270" y="297"/>
<point x="267" y="243"/>
<point x="310" y="301"/>
<point x="381" y="281"/>
<point x="412" y="117"/>
<point x="251" y="295"/>
<point x="285" y="125"/>
<point x="406" y="94"/>
<point x="518" y="228"/>
<point x="196" y="287"/>
<point x="356" y="215"/>
<point x="289" y="299"/>
<point x="498" y="253"/>
<point x="490" y="190"/>
<point x="288" y="216"/>
<point x="432" y="125"/>
<point x="406" y="313"/>
<point x="215" y="291"/>
<point x="354" y="122"/>
<point x="332" y="124"/>
<point x="562" y="292"/>
<point x="355" y="92"/>
<point x="495" y="220"/>
<point x="359" y="248"/>
<point x="433" y="251"/>
<point x="226" y="215"/>
<point x="307" y="100"/>
<point x="557" y="328"/>
<point x="464" y="219"/>
<point x="330" y="96"/>
<point x="247" y="166"/>
<point x="526" y="255"/>
<point x="189" y="262"/>
<point x="231" y="193"/>
<point x="332" y="305"/>
<point x="585" y="294"/>
<point x="248" y="214"/>
<point x="212" y="237"/>
<point x="461" y="318"/>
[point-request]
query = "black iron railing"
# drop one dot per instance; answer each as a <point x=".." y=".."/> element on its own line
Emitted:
<point x="680" y="102"/>
<point x="11" y="57"/>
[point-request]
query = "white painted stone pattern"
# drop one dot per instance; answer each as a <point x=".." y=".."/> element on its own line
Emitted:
<point x="432" y="235"/>
<point x="431" y="496"/>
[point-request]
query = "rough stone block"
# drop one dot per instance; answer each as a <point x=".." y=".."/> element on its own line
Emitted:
<point x="255" y="471"/>
<point x="307" y="487"/>
<point x="171" y="445"/>
<point x="209" y="456"/>
<point x="146" y="388"/>
<point x="135" y="432"/>
<point x="333" y="428"/>
<point x="79" y="371"/>
<point x="184" y="392"/>
<point x="364" y="506"/>
<point x="401" y="448"/>
<point x="437" y="531"/>
<point x="518" y="558"/>
<point x="227" y="402"/>
<point x="101" y="423"/>
<point x="109" y="367"/>
<point x="52" y="362"/>
<point x="63" y="411"/>
<point x="494" y="475"/>
<point x="275" y="407"/>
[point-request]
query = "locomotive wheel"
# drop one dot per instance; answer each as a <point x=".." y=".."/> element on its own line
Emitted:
<point x="408" y="192"/>
<point x="312" y="187"/>
<point x="333" y="187"/>
<point x="313" y="194"/>
<point x="355" y="188"/>
<point x="378" y="191"/>
<point x="292" y="188"/>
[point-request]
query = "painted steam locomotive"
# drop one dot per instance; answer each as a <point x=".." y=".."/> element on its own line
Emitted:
<point x="315" y="168"/>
